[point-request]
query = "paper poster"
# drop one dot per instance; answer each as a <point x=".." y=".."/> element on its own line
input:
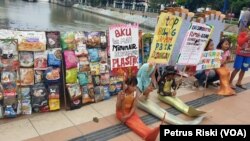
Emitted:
<point x="210" y="60"/>
<point x="124" y="48"/>
<point x="166" y="32"/>
<point x="194" y="43"/>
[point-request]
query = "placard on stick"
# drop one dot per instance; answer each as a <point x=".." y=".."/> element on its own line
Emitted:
<point x="166" y="32"/>
<point x="194" y="43"/>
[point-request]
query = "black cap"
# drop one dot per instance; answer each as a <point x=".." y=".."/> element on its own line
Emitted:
<point x="170" y="70"/>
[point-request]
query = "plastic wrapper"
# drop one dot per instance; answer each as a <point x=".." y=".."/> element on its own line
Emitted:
<point x="118" y="87"/>
<point x="83" y="78"/>
<point x="9" y="112"/>
<point x="54" y="97"/>
<point x="104" y="68"/>
<point x="40" y="60"/>
<point x="39" y="76"/>
<point x="95" y="68"/>
<point x="96" y="80"/>
<point x="106" y="92"/>
<point x="84" y="64"/>
<point x="93" y="54"/>
<point x="39" y="97"/>
<point x="75" y="95"/>
<point x="54" y="57"/>
<point x="68" y="40"/>
<point x="26" y="100"/>
<point x="81" y="40"/>
<point x="71" y="76"/>
<point x="53" y="39"/>
<point x="94" y="39"/>
<point x="86" y="98"/>
<point x="9" y="89"/>
<point x="26" y="59"/>
<point x="103" y="56"/>
<point x="105" y="79"/>
<point x="99" y="93"/>
<point x="8" y="76"/>
<point x="103" y="40"/>
<point x="31" y="41"/>
<point x="26" y="76"/>
<point x="8" y="48"/>
<point x="52" y="75"/>
<point x="70" y="59"/>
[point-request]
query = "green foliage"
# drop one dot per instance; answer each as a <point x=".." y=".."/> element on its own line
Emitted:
<point x="181" y="2"/>
<point x="238" y="5"/>
<point x="233" y="39"/>
<point x="155" y="3"/>
<point x="95" y="2"/>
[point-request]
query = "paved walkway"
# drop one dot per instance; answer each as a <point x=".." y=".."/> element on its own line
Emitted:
<point x="65" y="125"/>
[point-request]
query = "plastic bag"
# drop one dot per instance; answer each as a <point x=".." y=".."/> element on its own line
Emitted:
<point x="95" y="68"/>
<point x="83" y="78"/>
<point x="26" y="59"/>
<point x="39" y="97"/>
<point x="94" y="55"/>
<point x="75" y="95"/>
<point x="86" y="98"/>
<point x="40" y="60"/>
<point x="84" y="64"/>
<point x="39" y="76"/>
<point x="52" y="75"/>
<point x="71" y="76"/>
<point x="99" y="93"/>
<point x="96" y="80"/>
<point x="106" y="92"/>
<point x="68" y="40"/>
<point x="54" y="99"/>
<point x="70" y="59"/>
<point x="94" y="39"/>
<point x="53" y="39"/>
<point x="27" y="76"/>
<point x="54" y="57"/>
<point x="26" y="100"/>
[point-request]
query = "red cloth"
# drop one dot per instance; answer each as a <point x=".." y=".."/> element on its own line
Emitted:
<point x="243" y="44"/>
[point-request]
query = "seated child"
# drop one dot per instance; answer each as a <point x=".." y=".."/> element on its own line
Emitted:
<point x="167" y="82"/>
<point x="125" y="111"/>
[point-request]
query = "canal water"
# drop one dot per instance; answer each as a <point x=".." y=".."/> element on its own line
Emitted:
<point x="41" y="15"/>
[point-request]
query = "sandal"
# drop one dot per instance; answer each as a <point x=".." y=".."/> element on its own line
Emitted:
<point x="241" y="86"/>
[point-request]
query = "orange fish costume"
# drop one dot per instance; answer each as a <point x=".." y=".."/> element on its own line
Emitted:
<point x="134" y="122"/>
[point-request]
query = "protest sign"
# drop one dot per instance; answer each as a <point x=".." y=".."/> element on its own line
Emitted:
<point x="210" y="60"/>
<point x="194" y="43"/>
<point x="124" y="48"/>
<point x="166" y="32"/>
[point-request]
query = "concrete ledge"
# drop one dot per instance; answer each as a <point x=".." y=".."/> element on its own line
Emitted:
<point x="62" y="3"/>
<point x="146" y="22"/>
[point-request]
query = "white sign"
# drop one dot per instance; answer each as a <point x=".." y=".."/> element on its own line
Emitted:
<point x="124" y="45"/>
<point x="194" y="43"/>
<point x="210" y="60"/>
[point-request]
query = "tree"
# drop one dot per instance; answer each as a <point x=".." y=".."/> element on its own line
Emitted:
<point x="237" y="5"/>
<point x="181" y="2"/>
<point x="155" y="4"/>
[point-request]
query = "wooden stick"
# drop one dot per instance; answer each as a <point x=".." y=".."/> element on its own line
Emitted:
<point x="162" y="120"/>
<point x="178" y="85"/>
<point x="204" y="91"/>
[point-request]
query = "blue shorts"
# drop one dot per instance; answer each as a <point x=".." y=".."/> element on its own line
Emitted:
<point x="242" y="62"/>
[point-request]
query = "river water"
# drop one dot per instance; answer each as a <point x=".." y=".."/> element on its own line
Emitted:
<point x="41" y="15"/>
